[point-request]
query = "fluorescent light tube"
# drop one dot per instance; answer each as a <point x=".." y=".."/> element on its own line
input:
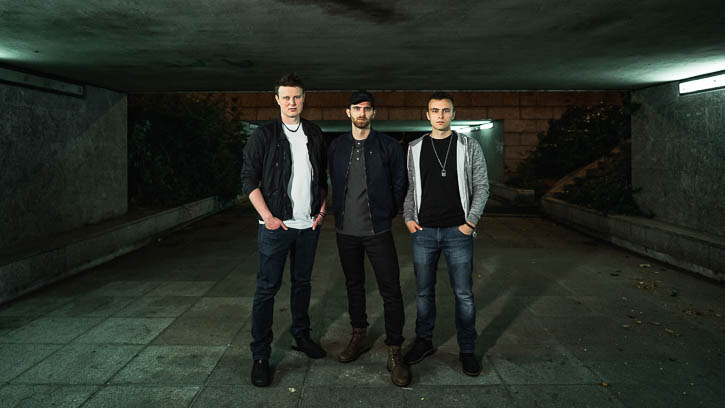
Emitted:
<point x="702" y="84"/>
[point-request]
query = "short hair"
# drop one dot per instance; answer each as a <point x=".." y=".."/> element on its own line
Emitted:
<point x="440" y="96"/>
<point x="290" y="79"/>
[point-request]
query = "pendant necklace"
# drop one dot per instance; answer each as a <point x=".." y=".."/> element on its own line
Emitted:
<point x="293" y="131"/>
<point x="443" y="165"/>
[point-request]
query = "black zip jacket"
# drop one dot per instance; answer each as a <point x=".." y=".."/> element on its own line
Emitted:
<point x="387" y="182"/>
<point x="268" y="166"/>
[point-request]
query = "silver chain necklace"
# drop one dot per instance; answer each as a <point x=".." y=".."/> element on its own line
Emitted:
<point x="443" y="165"/>
<point x="293" y="131"/>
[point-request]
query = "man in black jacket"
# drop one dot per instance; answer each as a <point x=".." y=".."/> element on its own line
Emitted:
<point x="284" y="175"/>
<point x="367" y="171"/>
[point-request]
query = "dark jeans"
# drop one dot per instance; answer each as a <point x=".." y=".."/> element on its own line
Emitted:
<point x="381" y="252"/>
<point x="273" y="249"/>
<point x="457" y="247"/>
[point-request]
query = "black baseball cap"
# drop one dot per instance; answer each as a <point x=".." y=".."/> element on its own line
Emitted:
<point x="361" y="96"/>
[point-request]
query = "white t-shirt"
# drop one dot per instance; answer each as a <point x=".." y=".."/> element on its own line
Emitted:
<point x="299" y="188"/>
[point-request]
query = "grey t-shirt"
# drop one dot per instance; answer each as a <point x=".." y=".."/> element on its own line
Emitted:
<point x="356" y="218"/>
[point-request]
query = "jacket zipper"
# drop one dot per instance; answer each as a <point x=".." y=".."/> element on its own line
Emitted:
<point x="367" y="191"/>
<point x="344" y="193"/>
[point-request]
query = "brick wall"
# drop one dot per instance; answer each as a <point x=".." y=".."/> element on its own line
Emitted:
<point x="524" y="114"/>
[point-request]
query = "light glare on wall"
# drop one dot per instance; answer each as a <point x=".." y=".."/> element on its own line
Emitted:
<point x="702" y="84"/>
<point x="473" y="127"/>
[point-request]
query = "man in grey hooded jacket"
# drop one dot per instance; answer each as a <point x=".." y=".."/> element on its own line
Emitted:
<point x="447" y="191"/>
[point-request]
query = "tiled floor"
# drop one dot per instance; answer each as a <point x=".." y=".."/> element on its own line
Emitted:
<point x="563" y="321"/>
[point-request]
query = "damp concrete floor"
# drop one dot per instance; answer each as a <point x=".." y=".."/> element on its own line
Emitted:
<point x="563" y="321"/>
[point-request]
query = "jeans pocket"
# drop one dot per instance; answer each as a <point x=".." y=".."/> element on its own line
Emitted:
<point x="463" y="233"/>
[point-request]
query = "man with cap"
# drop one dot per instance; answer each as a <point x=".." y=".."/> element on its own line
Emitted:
<point x="367" y="172"/>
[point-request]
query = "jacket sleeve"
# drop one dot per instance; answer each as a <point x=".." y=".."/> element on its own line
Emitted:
<point x="253" y="162"/>
<point x="479" y="183"/>
<point x="409" y="204"/>
<point x="322" y="180"/>
<point x="398" y="175"/>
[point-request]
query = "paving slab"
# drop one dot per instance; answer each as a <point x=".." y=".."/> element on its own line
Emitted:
<point x="142" y="396"/>
<point x="678" y="395"/>
<point x="126" y="330"/>
<point x="52" y="330"/>
<point x="92" y="306"/>
<point x="11" y="323"/>
<point x="540" y="365"/>
<point x="188" y="365"/>
<point x="33" y="396"/>
<point x="80" y="364"/>
<point x="490" y="396"/>
<point x="182" y="288"/>
<point x="556" y="396"/>
<point x="364" y="395"/>
<point x="220" y="307"/>
<point x="16" y="358"/>
<point x="33" y="306"/>
<point x="131" y="288"/>
<point x="248" y="396"/>
<point x="157" y="306"/>
<point x="202" y="331"/>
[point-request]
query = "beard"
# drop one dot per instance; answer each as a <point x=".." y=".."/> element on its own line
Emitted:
<point x="361" y="123"/>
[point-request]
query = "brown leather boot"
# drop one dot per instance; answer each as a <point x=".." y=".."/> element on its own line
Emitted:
<point x="399" y="371"/>
<point x="356" y="347"/>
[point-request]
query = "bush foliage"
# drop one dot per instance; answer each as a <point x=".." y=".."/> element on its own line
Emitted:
<point x="608" y="189"/>
<point x="580" y="136"/>
<point x="182" y="149"/>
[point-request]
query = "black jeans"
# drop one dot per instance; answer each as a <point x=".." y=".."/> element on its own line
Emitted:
<point x="384" y="259"/>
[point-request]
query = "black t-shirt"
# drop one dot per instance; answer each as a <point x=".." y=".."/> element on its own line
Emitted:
<point x="356" y="219"/>
<point x="440" y="204"/>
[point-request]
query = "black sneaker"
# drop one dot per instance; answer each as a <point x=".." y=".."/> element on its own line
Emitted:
<point x="306" y="345"/>
<point x="470" y="364"/>
<point x="420" y="350"/>
<point x="261" y="373"/>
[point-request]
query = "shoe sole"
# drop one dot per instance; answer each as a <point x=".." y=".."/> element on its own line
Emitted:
<point x="363" y="351"/>
<point x="426" y="354"/>
<point x="261" y="384"/>
<point x="394" y="383"/>
<point x="472" y="374"/>
<point x="305" y="353"/>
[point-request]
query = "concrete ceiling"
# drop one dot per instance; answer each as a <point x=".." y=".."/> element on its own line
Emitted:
<point x="244" y="45"/>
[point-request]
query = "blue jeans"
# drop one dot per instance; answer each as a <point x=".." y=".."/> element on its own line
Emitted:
<point x="457" y="247"/>
<point x="274" y="246"/>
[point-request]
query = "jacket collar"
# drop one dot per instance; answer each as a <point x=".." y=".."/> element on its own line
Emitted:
<point x="371" y="136"/>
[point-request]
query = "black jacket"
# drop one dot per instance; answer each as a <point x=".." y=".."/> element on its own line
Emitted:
<point x="268" y="165"/>
<point x="387" y="182"/>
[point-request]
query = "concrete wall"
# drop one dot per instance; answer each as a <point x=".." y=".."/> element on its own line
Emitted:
<point x="491" y="141"/>
<point x="524" y="114"/>
<point x="63" y="161"/>
<point x="678" y="156"/>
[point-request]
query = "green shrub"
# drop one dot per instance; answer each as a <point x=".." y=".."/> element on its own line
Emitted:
<point x="181" y="149"/>
<point x="607" y="189"/>
<point x="580" y="136"/>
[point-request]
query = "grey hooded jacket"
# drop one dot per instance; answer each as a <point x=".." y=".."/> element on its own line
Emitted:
<point x="472" y="178"/>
